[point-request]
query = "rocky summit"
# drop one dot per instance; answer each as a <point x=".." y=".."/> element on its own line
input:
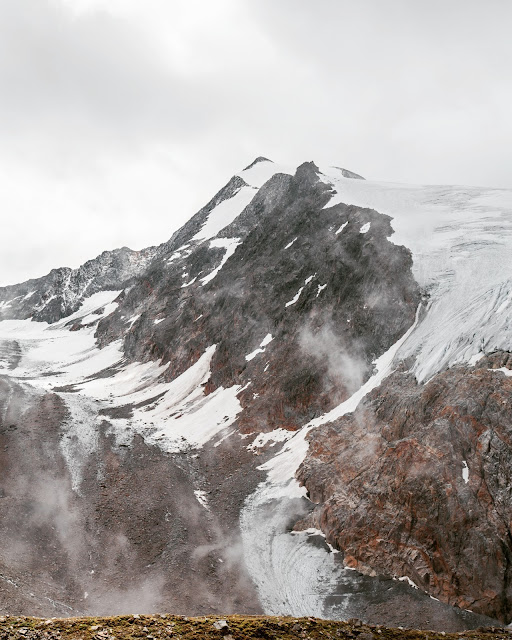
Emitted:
<point x="298" y="405"/>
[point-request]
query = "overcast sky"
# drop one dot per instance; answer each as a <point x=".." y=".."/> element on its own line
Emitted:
<point x="120" y="118"/>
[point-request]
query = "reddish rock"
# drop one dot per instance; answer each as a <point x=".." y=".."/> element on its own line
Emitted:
<point x="393" y="493"/>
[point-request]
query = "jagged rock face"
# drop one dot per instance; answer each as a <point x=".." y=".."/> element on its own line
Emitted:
<point x="417" y="482"/>
<point x="62" y="291"/>
<point x="331" y="301"/>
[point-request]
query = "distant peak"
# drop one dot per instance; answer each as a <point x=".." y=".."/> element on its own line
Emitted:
<point x="258" y="160"/>
<point x="349" y="174"/>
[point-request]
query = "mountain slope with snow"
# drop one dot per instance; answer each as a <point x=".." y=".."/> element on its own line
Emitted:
<point x="176" y="392"/>
<point x="62" y="291"/>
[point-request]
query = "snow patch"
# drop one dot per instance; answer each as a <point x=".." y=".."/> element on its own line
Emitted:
<point x="321" y="287"/>
<point x="365" y="228"/>
<point x="196" y="420"/>
<point x="507" y="372"/>
<point x="224" y="213"/>
<point x="465" y="471"/>
<point x="187" y="284"/>
<point x="230" y="245"/>
<point x="266" y="340"/>
<point x="295" y="298"/>
<point x="202" y="498"/>
<point x="409" y="582"/>
<point x="96" y="317"/>
<point x="261" y="349"/>
<point x="92" y="303"/>
<point x="176" y="415"/>
<point x="341" y="228"/>
<point x="275" y="436"/>
<point x="179" y="253"/>
<point x="290" y="243"/>
<point x="253" y="354"/>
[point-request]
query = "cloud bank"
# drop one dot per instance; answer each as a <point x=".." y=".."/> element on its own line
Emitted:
<point x="119" y="119"/>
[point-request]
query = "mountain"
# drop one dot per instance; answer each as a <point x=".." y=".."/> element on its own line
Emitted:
<point x="299" y="404"/>
<point x="63" y="291"/>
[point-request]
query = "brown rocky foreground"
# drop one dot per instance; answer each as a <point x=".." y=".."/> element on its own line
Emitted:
<point x="155" y="627"/>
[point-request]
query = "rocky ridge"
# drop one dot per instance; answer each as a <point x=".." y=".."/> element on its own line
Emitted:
<point x="339" y="283"/>
<point x="63" y="290"/>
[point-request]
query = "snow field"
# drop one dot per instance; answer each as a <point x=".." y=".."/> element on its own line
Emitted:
<point x="177" y="415"/>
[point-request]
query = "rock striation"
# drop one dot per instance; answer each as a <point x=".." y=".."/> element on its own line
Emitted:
<point x="417" y="483"/>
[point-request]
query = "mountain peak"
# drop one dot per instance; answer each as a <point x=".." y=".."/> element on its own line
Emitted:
<point x="257" y="161"/>
<point x="297" y="313"/>
<point x="349" y="174"/>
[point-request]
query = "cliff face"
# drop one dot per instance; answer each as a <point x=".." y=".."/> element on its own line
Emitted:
<point x="417" y="482"/>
